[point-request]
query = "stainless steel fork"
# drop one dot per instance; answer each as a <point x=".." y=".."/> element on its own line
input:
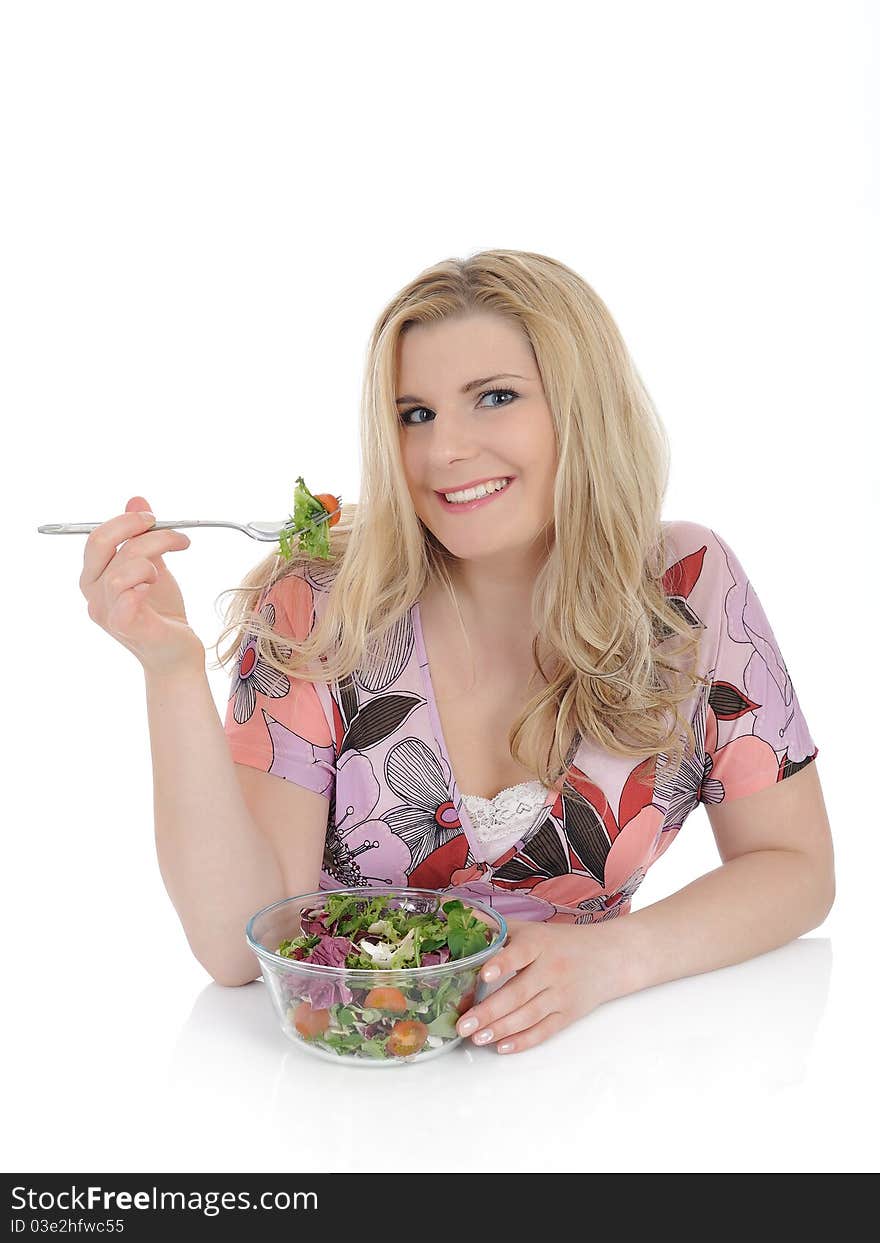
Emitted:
<point x="268" y="532"/>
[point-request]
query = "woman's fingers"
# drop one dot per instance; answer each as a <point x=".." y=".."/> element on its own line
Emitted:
<point x="138" y="562"/>
<point x="153" y="544"/>
<point x="140" y="546"/>
<point x="131" y="571"/>
<point x="103" y="542"/>
<point x="132" y="595"/>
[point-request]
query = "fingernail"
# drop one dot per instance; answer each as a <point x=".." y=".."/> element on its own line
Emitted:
<point x="467" y="1026"/>
<point x="491" y="973"/>
<point x="482" y="1037"/>
<point x="147" y="516"/>
<point x="505" y="1047"/>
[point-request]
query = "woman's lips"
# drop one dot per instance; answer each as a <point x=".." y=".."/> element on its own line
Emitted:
<point x="465" y="506"/>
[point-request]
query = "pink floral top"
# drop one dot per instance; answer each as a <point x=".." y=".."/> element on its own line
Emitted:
<point x="373" y="747"/>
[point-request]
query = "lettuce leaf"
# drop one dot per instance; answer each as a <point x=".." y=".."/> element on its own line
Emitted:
<point x="466" y="934"/>
<point x="444" y="1024"/>
<point x="374" y="1048"/>
<point x="314" y="540"/>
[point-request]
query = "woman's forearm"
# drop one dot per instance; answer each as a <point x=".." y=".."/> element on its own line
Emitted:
<point x="217" y="867"/>
<point x="751" y="904"/>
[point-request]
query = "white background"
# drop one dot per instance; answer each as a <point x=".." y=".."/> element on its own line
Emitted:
<point x="205" y="206"/>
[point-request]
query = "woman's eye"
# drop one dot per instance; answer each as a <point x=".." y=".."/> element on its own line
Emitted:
<point x="504" y="392"/>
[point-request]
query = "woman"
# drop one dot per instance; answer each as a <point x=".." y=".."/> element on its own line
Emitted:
<point x="516" y="692"/>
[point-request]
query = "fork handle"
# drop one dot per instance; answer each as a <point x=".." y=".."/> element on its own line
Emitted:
<point x="83" y="528"/>
<point x="193" y="522"/>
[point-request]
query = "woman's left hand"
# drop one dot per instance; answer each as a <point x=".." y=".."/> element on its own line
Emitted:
<point x="563" y="971"/>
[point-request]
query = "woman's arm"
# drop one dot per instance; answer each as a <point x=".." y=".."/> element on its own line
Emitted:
<point x="776" y="883"/>
<point x="217" y="867"/>
<point x="751" y="904"/>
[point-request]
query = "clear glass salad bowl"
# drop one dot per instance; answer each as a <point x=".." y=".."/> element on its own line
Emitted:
<point x="375" y="1016"/>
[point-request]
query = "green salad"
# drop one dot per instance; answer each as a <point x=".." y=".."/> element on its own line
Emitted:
<point x="309" y="523"/>
<point x="373" y="933"/>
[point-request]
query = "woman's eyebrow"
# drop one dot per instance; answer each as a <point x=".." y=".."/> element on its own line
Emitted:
<point x="471" y="384"/>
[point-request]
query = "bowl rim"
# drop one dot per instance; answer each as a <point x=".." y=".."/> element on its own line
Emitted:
<point x="372" y="973"/>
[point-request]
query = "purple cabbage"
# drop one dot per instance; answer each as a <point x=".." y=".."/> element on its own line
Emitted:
<point x="330" y="952"/>
<point x="321" y="994"/>
<point x="434" y="957"/>
<point x="314" y="922"/>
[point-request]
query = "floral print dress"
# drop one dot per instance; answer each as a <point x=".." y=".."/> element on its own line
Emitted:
<point x="373" y="747"/>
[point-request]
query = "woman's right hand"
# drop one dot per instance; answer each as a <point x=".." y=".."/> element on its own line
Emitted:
<point x="132" y="594"/>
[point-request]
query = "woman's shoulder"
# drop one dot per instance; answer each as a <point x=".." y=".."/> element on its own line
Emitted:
<point x="701" y="568"/>
<point x="683" y="534"/>
<point x="298" y="596"/>
<point x="693" y="550"/>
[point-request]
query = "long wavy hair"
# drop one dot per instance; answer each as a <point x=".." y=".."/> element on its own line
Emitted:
<point x="623" y="657"/>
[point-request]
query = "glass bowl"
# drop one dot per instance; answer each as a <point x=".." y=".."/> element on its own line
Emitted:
<point x="323" y="1009"/>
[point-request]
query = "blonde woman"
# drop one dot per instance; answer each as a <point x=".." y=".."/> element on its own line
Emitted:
<point x="511" y="680"/>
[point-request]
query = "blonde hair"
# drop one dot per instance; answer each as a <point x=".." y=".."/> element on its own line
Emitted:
<point x="599" y="603"/>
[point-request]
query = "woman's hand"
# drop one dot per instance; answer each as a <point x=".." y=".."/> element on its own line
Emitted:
<point x="132" y="593"/>
<point x="563" y="971"/>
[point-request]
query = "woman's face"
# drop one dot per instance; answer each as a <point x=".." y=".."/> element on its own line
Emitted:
<point x="450" y="437"/>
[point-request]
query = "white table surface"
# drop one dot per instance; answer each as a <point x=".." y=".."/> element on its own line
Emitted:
<point x="122" y="1055"/>
<point x="754" y="1067"/>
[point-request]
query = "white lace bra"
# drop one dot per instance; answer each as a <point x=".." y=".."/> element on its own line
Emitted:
<point x="498" y="822"/>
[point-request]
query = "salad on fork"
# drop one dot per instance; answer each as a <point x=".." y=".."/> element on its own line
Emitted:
<point x="309" y="522"/>
<point x="312" y="515"/>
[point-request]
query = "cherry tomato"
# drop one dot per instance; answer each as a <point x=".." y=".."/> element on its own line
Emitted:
<point x="386" y="999"/>
<point x="309" y="1022"/>
<point x="407" y="1036"/>
<point x="467" y="1001"/>
<point x="330" y="503"/>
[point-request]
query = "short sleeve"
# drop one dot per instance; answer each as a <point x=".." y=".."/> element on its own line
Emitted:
<point x="756" y="733"/>
<point x="278" y="724"/>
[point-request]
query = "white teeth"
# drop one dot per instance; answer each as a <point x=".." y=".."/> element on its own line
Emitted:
<point x="483" y="489"/>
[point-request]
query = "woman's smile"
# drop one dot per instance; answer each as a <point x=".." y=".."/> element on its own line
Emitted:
<point x="467" y="506"/>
